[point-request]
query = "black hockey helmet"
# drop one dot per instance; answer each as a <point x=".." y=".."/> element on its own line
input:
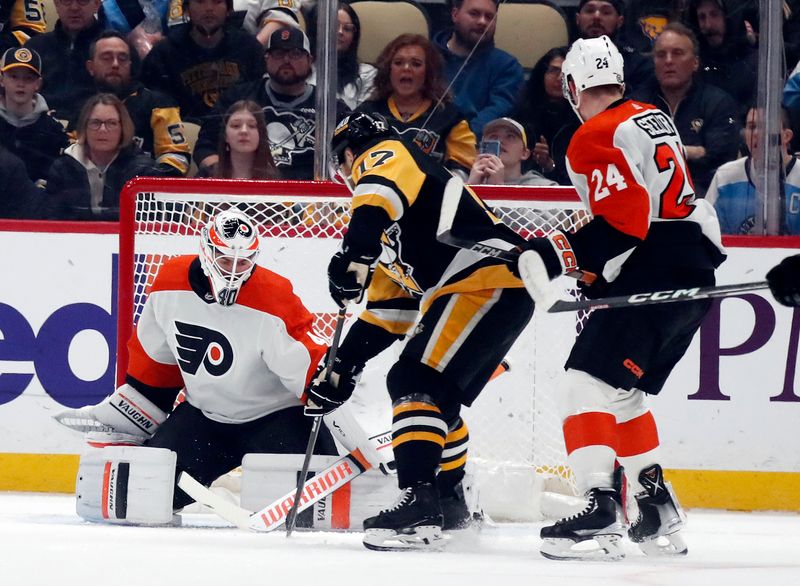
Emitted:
<point x="358" y="129"/>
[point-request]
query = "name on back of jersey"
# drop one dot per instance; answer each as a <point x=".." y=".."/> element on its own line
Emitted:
<point x="656" y="124"/>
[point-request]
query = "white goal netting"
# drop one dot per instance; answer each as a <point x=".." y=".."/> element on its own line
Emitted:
<point x="516" y="444"/>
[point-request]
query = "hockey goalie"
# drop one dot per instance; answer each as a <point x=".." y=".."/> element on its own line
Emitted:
<point x="239" y="343"/>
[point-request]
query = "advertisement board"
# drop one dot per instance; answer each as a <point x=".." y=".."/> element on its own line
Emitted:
<point x="731" y="406"/>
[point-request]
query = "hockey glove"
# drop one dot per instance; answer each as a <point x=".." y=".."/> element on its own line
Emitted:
<point x="328" y="393"/>
<point x="348" y="278"/>
<point x="544" y="260"/>
<point x="784" y="281"/>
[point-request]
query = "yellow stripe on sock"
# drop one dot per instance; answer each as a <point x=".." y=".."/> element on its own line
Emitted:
<point x="422" y="436"/>
<point x="445" y="466"/>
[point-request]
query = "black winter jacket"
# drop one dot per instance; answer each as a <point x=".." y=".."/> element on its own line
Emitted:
<point x="68" y="193"/>
<point x="66" y="82"/>
<point x="707" y="117"/>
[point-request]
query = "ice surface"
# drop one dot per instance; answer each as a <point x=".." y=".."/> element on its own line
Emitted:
<point x="43" y="542"/>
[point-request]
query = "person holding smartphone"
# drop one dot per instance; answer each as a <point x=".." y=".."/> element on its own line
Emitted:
<point x="501" y="154"/>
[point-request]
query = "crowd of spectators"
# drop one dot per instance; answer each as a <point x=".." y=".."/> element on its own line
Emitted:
<point x="104" y="95"/>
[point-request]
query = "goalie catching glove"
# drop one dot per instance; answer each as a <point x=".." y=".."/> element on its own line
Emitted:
<point x="543" y="260"/>
<point x="125" y="418"/>
<point x="348" y="277"/>
<point x="328" y="393"/>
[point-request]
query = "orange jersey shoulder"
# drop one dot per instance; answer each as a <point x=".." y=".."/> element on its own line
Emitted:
<point x="174" y="274"/>
<point x="604" y="162"/>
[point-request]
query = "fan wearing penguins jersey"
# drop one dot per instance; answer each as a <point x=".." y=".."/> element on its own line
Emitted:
<point x="471" y="309"/>
<point x="648" y="232"/>
<point x="237" y="340"/>
<point x="19" y="21"/>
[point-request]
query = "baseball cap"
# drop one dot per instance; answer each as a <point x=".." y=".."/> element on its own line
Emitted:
<point x="289" y="38"/>
<point x="619" y="5"/>
<point x="515" y="126"/>
<point x="21" y="57"/>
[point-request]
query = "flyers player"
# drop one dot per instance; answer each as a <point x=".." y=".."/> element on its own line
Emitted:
<point x="471" y="309"/>
<point x="648" y="233"/>
<point x="239" y="342"/>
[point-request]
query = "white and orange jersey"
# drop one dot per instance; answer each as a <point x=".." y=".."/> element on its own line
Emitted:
<point x="628" y="165"/>
<point x="236" y="363"/>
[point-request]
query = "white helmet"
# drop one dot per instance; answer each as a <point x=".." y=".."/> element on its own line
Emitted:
<point x="590" y="63"/>
<point x="228" y="249"/>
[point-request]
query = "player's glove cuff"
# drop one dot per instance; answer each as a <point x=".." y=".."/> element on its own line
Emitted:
<point x="556" y="253"/>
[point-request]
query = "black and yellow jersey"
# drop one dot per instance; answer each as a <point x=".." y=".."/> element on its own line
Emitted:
<point x="397" y="200"/>
<point x="446" y="135"/>
<point x="20" y="20"/>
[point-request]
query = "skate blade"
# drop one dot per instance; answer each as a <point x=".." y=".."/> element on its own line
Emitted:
<point x="602" y="548"/>
<point x="671" y="545"/>
<point x="425" y="538"/>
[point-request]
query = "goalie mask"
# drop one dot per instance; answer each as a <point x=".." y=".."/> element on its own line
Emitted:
<point x="228" y="250"/>
<point x="590" y="63"/>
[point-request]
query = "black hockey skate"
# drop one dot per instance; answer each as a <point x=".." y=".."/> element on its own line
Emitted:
<point x="602" y="521"/>
<point x="413" y="522"/>
<point x="657" y="528"/>
<point x="455" y="510"/>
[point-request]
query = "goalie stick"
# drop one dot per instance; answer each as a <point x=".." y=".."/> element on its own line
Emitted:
<point x="325" y="482"/>
<point x="272" y="516"/>
<point x="220" y="505"/>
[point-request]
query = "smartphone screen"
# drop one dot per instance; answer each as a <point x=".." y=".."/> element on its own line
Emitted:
<point x="491" y="147"/>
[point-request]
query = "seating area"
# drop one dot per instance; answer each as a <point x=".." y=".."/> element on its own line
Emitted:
<point x="520" y="45"/>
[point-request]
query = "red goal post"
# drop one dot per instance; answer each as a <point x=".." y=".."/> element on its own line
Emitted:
<point x="514" y="427"/>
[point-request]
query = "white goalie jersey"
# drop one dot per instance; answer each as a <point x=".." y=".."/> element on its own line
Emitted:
<point x="628" y="166"/>
<point x="236" y="363"/>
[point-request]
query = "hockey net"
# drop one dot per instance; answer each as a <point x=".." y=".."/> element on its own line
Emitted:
<point x="516" y="447"/>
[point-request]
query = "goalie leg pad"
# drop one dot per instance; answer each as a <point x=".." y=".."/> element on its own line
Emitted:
<point x="126" y="485"/>
<point x="345" y="427"/>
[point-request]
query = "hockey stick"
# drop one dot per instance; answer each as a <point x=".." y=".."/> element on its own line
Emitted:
<point x="497" y="247"/>
<point x="444" y="232"/>
<point x="324" y="483"/>
<point x="668" y="296"/>
<point x="222" y="507"/>
<point x="319" y="486"/>
<point x="272" y="516"/>
<point x="291" y="518"/>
